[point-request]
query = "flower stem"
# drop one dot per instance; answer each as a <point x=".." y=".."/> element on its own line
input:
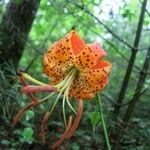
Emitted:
<point x="103" y="123"/>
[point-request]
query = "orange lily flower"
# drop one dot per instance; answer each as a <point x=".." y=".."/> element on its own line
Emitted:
<point x="77" y="70"/>
<point x="89" y="72"/>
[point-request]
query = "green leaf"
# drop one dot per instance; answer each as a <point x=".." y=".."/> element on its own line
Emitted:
<point x="28" y="135"/>
<point x="30" y="114"/>
<point x="75" y="146"/>
<point x="94" y="118"/>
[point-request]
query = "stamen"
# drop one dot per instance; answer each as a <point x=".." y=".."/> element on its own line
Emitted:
<point x="63" y="108"/>
<point x="37" y="88"/>
<point x="43" y="126"/>
<point x="28" y="77"/>
<point x="69" y="104"/>
<point x="66" y="87"/>
<point x="62" y="83"/>
<point x="55" y="103"/>
<point x="47" y="97"/>
<point x="77" y="120"/>
<point x="63" y="137"/>
<point x="63" y="87"/>
<point x="22" y="80"/>
<point x="67" y="99"/>
<point x="69" y="80"/>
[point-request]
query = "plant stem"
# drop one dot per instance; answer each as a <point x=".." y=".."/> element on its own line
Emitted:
<point x="103" y="123"/>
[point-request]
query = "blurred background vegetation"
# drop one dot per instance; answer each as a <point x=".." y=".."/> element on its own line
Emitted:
<point x="122" y="27"/>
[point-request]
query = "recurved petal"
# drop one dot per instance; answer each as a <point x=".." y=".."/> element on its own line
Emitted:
<point x="97" y="49"/>
<point x="97" y="72"/>
<point x="77" y="43"/>
<point x="89" y="56"/>
<point x="61" y="54"/>
<point x="91" y="81"/>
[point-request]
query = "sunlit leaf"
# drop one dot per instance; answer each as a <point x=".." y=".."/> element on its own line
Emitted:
<point x="28" y="135"/>
<point x="94" y="119"/>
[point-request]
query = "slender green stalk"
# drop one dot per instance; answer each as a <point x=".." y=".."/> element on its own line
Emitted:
<point x="103" y="123"/>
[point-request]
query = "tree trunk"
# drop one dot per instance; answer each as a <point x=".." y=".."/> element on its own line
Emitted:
<point x="14" y="28"/>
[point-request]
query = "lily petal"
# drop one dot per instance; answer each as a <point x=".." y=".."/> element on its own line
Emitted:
<point x="97" y="49"/>
<point x="89" y="56"/>
<point x="91" y="81"/>
<point x="77" y="43"/>
<point x="61" y="54"/>
<point x="97" y="72"/>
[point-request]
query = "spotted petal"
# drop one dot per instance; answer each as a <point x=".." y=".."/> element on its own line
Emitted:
<point x="91" y="81"/>
<point x="89" y="56"/>
<point x="61" y="54"/>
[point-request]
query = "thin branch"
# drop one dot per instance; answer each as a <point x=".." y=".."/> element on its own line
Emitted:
<point x="131" y="61"/>
<point x="31" y="62"/>
<point x="126" y="103"/>
<point x="139" y="87"/>
<point x="134" y="100"/>
<point x="105" y="26"/>
<point x="109" y="43"/>
<point x="146" y="10"/>
<point x="137" y="95"/>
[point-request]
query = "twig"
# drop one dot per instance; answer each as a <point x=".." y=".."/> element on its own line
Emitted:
<point x="109" y="43"/>
<point x="105" y="26"/>
<point x="131" y="61"/>
<point x="146" y="10"/>
<point x="31" y="62"/>
<point x="134" y="100"/>
<point x="137" y="95"/>
<point x="124" y="104"/>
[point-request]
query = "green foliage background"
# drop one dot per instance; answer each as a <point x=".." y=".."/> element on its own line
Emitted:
<point x="53" y="20"/>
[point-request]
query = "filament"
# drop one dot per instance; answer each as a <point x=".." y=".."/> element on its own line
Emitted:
<point x="63" y="108"/>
